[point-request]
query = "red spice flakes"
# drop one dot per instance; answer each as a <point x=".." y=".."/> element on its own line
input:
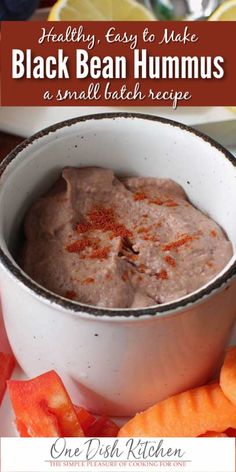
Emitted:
<point x="87" y="281"/>
<point x="121" y="231"/>
<point x="103" y="219"/>
<point x="140" y="196"/>
<point x="83" y="227"/>
<point x="142" y="267"/>
<point x="156" y="201"/>
<point x="78" y="246"/>
<point x="210" y="264"/>
<point x="81" y="244"/>
<point x="167" y="203"/>
<point x="143" y="229"/>
<point x="101" y="253"/>
<point x="145" y="215"/>
<point x="171" y="203"/>
<point x="140" y="278"/>
<point x="162" y="275"/>
<point x="125" y="275"/>
<point x="213" y="233"/>
<point x="170" y="260"/>
<point x="186" y="238"/>
<point x="70" y="294"/>
<point x="154" y="239"/>
<point x="132" y="257"/>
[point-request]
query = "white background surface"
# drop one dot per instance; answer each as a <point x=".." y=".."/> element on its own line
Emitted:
<point x="28" y="120"/>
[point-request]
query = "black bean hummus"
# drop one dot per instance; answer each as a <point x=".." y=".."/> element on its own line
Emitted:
<point x="118" y="243"/>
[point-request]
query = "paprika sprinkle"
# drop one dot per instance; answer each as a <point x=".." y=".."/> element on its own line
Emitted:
<point x="81" y="244"/>
<point x="154" y="239"/>
<point x="171" y="204"/>
<point x="101" y="253"/>
<point x="162" y="275"/>
<point x="185" y="239"/>
<point x="78" y="246"/>
<point x="213" y="233"/>
<point x="170" y="260"/>
<point x="70" y="294"/>
<point x="140" y="196"/>
<point x="103" y="219"/>
<point x="143" y="229"/>
<point x="125" y="275"/>
<point x="87" y="281"/>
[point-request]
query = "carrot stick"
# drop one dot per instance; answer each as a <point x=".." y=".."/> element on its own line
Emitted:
<point x="228" y="375"/>
<point x="190" y="413"/>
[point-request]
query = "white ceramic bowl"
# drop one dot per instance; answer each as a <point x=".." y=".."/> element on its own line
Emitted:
<point x="118" y="361"/>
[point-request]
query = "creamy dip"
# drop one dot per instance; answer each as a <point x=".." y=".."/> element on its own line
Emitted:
<point x="119" y="243"/>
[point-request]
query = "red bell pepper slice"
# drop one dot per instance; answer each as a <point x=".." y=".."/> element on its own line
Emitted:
<point x="7" y="364"/>
<point x="231" y="432"/>
<point x="43" y="407"/>
<point x="85" y="418"/>
<point x="103" y="427"/>
<point x="22" y="429"/>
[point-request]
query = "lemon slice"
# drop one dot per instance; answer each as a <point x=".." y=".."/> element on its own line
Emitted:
<point x="99" y="10"/>
<point x="225" y="12"/>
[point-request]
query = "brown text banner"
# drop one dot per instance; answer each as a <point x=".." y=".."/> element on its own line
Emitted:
<point x="118" y="63"/>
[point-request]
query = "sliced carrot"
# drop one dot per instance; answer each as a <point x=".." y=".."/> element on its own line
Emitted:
<point x="190" y="413"/>
<point x="213" y="434"/>
<point x="228" y="375"/>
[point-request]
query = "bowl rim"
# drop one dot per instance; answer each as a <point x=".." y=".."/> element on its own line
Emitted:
<point x="101" y="312"/>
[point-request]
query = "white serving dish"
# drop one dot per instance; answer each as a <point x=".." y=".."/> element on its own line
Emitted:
<point x="140" y="356"/>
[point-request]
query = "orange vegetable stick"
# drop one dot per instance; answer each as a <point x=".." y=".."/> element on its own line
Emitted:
<point x="228" y="375"/>
<point x="190" y="413"/>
